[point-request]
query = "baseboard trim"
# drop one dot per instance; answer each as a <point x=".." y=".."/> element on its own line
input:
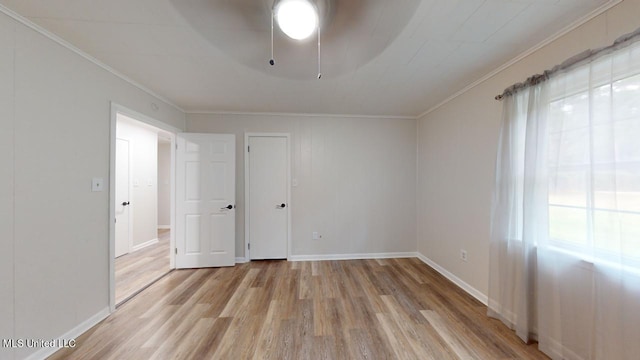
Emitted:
<point x="72" y="334"/>
<point x="241" y="260"/>
<point x="144" y="245"/>
<point x="352" y="256"/>
<point x="164" y="227"/>
<point x="555" y="350"/>
<point x="456" y="280"/>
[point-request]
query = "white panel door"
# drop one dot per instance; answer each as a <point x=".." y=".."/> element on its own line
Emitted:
<point x="123" y="231"/>
<point x="205" y="200"/>
<point x="268" y="208"/>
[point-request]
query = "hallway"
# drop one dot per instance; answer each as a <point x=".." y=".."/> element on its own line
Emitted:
<point x="138" y="269"/>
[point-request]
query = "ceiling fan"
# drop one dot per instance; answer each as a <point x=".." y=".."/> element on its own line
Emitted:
<point x="353" y="33"/>
<point x="298" y="19"/>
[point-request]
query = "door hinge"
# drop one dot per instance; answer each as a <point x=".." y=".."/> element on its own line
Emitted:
<point x="249" y="246"/>
<point x="248" y="148"/>
<point x="176" y="249"/>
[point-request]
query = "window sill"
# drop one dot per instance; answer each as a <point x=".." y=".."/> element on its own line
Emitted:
<point x="591" y="263"/>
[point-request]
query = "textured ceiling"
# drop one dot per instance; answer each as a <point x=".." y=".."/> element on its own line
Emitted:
<point x="379" y="57"/>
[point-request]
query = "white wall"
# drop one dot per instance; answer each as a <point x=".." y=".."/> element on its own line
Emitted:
<point x="164" y="184"/>
<point x="457" y="148"/>
<point x="356" y="180"/>
<point x="143" y="157"/>
<point x="6" y="184"/>
<point x="54" y="138"/>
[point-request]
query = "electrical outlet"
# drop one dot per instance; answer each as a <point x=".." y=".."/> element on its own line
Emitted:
<point x="463" y="254"/>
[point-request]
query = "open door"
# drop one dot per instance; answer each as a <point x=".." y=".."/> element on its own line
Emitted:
<point x="205" y="200"/>
<point x="123" y="224"/>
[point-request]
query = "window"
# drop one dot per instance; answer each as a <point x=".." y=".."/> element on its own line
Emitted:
<point x="565" y="236"/>
<point x="593" y="154"/>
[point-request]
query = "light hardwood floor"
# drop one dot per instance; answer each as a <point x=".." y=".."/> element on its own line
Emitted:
<point x="358" y="309"/>
<point x="138" y="269"/>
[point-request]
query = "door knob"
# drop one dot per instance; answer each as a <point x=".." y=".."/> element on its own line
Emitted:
<point x="228" y="207"/>
<point x="281" y="206"/>
<point x="125" y="203"/>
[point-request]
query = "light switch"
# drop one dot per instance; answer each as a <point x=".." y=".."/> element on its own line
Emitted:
<point x="294" y="182"/>
<point x="97" y="184"/>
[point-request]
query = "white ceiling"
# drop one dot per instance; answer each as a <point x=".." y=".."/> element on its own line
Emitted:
<point x="380" y="57"/>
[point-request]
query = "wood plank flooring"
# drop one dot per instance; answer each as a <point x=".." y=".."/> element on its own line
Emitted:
<point x="357" y="309"/>
<point x="138" y="269"/>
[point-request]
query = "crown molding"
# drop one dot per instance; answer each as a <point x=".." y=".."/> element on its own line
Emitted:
<point x="247" y="113"/>
<point x="23" y="20"/>
<point x="601" y="9"/>
<point x="60" y="41"/>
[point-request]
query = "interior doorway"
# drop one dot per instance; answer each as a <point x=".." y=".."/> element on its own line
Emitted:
<point x="142" y="186"/>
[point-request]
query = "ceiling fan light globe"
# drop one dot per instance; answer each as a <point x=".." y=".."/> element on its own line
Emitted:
<point x="298" y="19"/>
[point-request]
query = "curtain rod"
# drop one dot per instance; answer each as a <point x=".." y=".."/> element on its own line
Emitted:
<point x="579" y="59"/>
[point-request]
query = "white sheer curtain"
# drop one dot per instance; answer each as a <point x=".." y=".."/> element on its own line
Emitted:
<point x="565" y="247"/>
<point x="518" y="204"/>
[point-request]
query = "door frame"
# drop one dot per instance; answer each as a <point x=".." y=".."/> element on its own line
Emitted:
<point x="247" y="199"/>
<point x="115" y="110"/>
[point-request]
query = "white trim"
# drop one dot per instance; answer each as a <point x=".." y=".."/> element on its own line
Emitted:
<point x="60" y="41"/>
<point x="241" y="260"/>
<point x="360" y="256"/>
<point x="601" y="9"/>
<point x="164" y="227"/>
<point x="247" y="220"/>
<point x="456" y="280"/>
<point x="506" y="316"/>
<point x="112" y="209"/>
<point x="74" y="333"/>
<point x="172" y="202"/>
<point x="144" y="244"/>
<point x="173" y="131"/>
<point x="280" y="114"/>
<point x="556" y="350"/>
<point x="289" y="205"/>
<point x="245" y="160"/>
<point x="144" y="119"/>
